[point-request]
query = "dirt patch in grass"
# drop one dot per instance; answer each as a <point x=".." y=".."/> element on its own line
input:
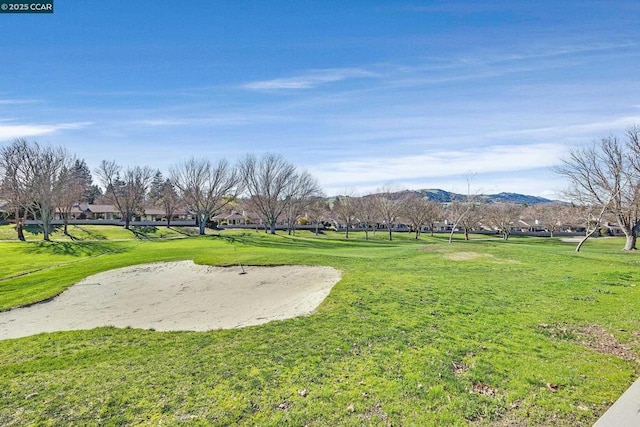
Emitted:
<point x="598" y="339"/>
<point x="483" y="389"/>
<point x="594" y="337"/>
<point x="470" y="256"/>
<point x="459" y="368"/>
<point x="431" y="248"/>
<point x="463" y="256"/>
<point x="374" y="412"/>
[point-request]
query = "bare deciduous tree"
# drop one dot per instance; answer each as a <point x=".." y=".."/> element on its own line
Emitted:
<point x="16" y="178"/>
<point x="501" y="216"/>
<point x="438" y="214"/>
<point x="126" y="189"/>
<point x="606" y="174"/>
<point x="300" y="193"/>
<point x="169" y="200"/>
<point x="77" y="185"/>
<point x="465" y="214"/>
<point x="50" y="179"/>
<point x="388" y="208"/>
<point x="419" y="212"/>
<point x="205" y="187"/>
<point x="317" y="211"/>
<point x="34" y="178"/>
<point x="365" y="213"/>
<point x="592" y="216"/>
<point x="273" y="183"/>
<point x="344" y="210"/>
<point x="551" y="216"/>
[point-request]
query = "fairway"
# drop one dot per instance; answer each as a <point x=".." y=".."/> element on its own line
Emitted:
<point x="416" y="332"/>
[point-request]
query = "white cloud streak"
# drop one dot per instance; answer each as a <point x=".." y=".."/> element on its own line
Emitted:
<point x="12" y="131"/>
<point x="215" y="120"/>
<point x="438" y="164"/>
<point x="309" y="80"/>
<point x="18" y="101"/>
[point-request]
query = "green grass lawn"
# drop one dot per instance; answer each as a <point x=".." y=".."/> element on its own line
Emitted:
<point x="485" y="332"/>
<point x="98" y="232"/>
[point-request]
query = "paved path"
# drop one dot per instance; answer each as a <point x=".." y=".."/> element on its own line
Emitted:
<point x="625" y="412"/>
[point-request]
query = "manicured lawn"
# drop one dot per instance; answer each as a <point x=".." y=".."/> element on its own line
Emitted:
<point x="525" y="332"/>
<point x="98" y="232"/>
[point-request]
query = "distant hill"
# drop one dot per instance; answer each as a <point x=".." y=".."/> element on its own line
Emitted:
<point x="446" y="196"/>
<point x="442" y="196"/>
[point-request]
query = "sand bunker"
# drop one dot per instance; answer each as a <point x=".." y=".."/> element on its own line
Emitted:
<point x="176" y="296"/>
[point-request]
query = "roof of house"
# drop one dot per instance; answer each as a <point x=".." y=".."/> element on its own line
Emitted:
<point x="102" y="208"/>
<point x="154" y="211"/>
<point x="224" y="216"/>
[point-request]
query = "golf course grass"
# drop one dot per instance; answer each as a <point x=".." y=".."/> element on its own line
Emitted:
<point x="480" y="332"/>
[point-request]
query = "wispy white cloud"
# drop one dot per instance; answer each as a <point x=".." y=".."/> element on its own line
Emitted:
<point x="18" y="101"/>
<point x="11" y="131"/>
<point x="438" y="164"/>
<point x="601" y="127"/>
<point x="213" y="120"/>
<point x="310" y="79"/>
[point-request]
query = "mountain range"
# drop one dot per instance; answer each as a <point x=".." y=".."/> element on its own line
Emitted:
<point x="443" y="196"/>
<point x="446" y="196"/>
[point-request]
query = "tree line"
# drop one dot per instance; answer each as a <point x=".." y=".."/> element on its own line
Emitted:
<point x="40" y="181"/>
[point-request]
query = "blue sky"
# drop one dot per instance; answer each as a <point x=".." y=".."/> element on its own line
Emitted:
<point x="362" y="94"/>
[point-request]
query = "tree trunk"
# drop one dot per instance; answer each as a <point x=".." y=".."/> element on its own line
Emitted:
<point x="595" y="227"/>
<point x="390" y="235"/>
<point x="273" y="227"/>
<point x="19" y="226"/>
<point x="202" y="223"/>
<point x="317" y="226"/>
<point x="632" y="236"/>
<point x="46" y="224"/>
<point x="346" y="235"/>
<point x="366" y="233"/>
<point x="630" y="244"/>
<point x="589" y="234"/>
<point x="417" y="233"/>
<point x="65" y="222"/>
<point x="466" y="234"/>
<point x="20" y="230"/>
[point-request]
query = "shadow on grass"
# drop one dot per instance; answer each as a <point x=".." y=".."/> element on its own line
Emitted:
<point x="89" y="234"/>
<point x="143" y="231"/>
<point x="188" y="231"/>
<point x="76" y="249"/>
<point x="261" y="239"/>
<point x="36" y="230"/>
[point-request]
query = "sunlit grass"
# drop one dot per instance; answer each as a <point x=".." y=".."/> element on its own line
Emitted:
<point x="97" y="232"/>
<point x="416" y="333"/>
